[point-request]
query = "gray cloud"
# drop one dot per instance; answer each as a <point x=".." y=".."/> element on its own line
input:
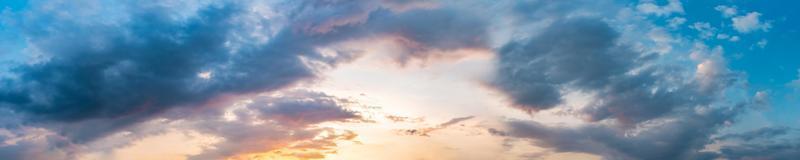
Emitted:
<point x="260" y="124"/>
<point x="575" y="52"/>
<point x="762" y="133"/>
<point x="638" y="108"/>
<point x="289" y="118"/>
<point x="427" y="130"/>
<point x="679" y="138"/>
<point x="774" y="143"/>
<point x="785" y="150"/>
<point x="145" y="67"/>
<point x="98" y="74"/>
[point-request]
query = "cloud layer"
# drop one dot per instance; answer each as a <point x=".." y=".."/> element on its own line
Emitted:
<point x="147" y="57"/>
<point x="94" y="76"/>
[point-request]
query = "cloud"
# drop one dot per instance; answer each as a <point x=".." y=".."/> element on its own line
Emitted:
<point x="426" y="131"/>
<point x="763" y="143"/>
<point x="531" y="72"/>
<point x="762" y="133"/>
<point x="762" y="43"/>
<point x="795" y="83"/>
<point x="786" y="150"/>
<point x="676" y="22"/>
<point x="254" y="126"/>
<point x="761" y="98"/>
<point x="727" y="11"/>
<point x="280" y="121"/>
<point x="704" y="29"/>
<point x="677" y="138"/>
<point x="302" y="108"/>
<point x="118" y="72"/>
<point x="649" y="7"/>
<point x="749" y="23"/>
<point x="637" y="107"/>
<point x="107" y="68"/>
<point x="142" y="67"/>
<point x="18" y="141"/>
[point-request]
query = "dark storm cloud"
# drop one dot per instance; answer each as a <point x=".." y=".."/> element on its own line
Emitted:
<point x="97" y="74"/>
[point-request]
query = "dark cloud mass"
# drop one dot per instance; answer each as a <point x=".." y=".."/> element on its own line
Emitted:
<point x="143" y="67"/>
<point x="111" y="70"/>
<point x="95" y="70"/>
<point x="639" y="109"/>
<point x="774" y="143"/>
<point x="579" y="52"/>
<point x="681" y="138"/>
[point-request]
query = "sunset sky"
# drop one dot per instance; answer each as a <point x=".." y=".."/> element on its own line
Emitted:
<point x="399" y="79"/>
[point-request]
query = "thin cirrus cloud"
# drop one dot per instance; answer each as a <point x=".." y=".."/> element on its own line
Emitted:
<point x="98" y="75"/>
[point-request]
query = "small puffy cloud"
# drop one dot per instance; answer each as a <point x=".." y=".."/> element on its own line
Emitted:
<point x="723" y="36"/>
<point x="676" y="22"/>
<point x="704" y="29"/>
<point x="727" y="11"/>
<point x="711" y="72"/>
<point x="750" y="22"/>
<point x="650" y="7"/>
<point x="761" y="99"/>
<point x="734" y="38"/>
<point x="762" y="43"/>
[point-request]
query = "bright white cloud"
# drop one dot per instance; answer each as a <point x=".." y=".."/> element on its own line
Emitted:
<point x="749" y="23"/>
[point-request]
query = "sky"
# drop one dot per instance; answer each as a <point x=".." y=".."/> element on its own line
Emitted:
<point x="399" y="79"/>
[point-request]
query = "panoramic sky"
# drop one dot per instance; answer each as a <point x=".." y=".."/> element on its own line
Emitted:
<point x="399" y="79"/>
